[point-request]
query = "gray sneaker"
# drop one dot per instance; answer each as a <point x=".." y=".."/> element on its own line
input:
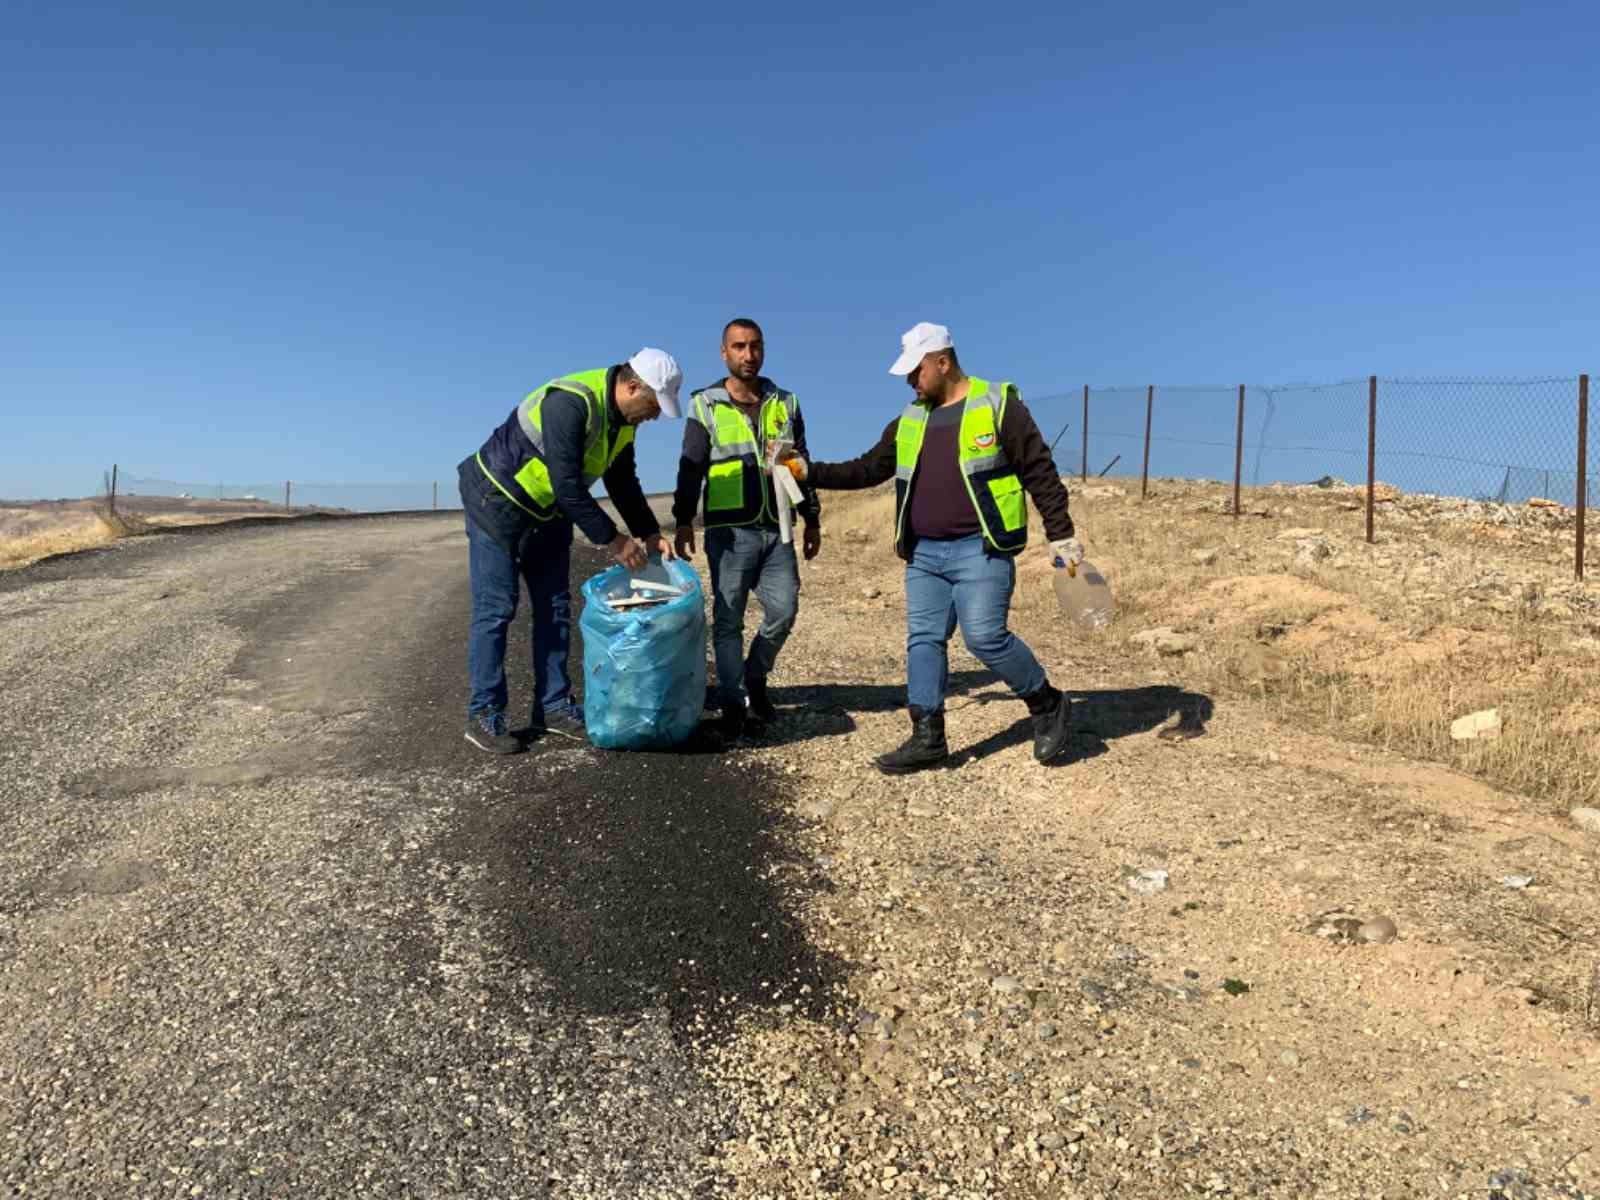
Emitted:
<point x="488" y="731"/>
<point x="566" y="721"/>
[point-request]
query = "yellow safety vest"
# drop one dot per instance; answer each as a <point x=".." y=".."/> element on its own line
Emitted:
<point x="736" y="490"/>
<point x="992" y="483"/>
<point x="530" y="488"/>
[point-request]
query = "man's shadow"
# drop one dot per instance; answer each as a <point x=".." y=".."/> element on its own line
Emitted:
<point x="809" y="711"/>
<point x="1097" y="716"/>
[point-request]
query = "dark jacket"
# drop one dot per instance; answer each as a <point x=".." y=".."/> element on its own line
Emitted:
<point x="1025" y="450"/>
<point x="564" y="418"/>
<point x="695" y="461"/>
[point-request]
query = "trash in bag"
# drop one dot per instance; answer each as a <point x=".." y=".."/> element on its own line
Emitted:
<point x="644" y="656"/>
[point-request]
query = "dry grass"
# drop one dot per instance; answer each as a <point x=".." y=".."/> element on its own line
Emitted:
<point x="1355" y="645"/>
<point x="29" y="535"/>
<point x="83" y="531"/>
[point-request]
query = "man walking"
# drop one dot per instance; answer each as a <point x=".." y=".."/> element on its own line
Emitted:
<point x="725" y="442"/>
<point x="523" y="492"/>
<point x="961" y="454"/>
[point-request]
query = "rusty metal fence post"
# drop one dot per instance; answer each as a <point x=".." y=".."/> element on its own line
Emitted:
<point x="111" y="494"/>
<point x="1086" y="431"/>
<point x="1238" y="453"/>
<point x="1372" y="450"/>
<point x="286" y="493"/>
<point x="1583" y="465"/>
<point x="1149" y="410"/>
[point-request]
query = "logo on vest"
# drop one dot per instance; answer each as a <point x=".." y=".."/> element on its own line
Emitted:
<point x="983" y="441"/>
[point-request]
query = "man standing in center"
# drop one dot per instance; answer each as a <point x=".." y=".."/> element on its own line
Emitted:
<point x="962" y="454"/>
<point x="730" y="426"/>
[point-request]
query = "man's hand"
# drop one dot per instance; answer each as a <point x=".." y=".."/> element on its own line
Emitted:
<point x="628" y="552"/>
<point x="813" y="541"/>
<point x="798" y="467"/>
<point x="1068" y="552"/>
<point x="684" y="541"/>
<point x="657" y="543"/>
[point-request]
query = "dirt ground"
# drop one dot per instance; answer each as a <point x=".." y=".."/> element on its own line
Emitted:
<point x="1023" y="1020"/>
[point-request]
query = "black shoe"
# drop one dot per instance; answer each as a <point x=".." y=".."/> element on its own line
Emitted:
<point x="925" y="747"/>
<point x="732" y="724"/>
<point x="488" y="731"/>
<point x="1052" y="720"/>
<point x="761" y="710"/>
<point x="564" y="720"/>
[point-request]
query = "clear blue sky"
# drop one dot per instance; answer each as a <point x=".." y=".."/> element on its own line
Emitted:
<point x="340" y="241"/>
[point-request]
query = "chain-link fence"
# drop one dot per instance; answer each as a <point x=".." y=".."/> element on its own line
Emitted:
<point x="1503" y="441"/>
<point x="1509" y="442"/>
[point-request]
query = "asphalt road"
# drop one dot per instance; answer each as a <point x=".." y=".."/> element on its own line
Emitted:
<point x="270" y="927"/>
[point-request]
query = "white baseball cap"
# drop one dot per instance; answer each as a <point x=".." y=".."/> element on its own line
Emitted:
<point x="661" y="374"/>
<point x="915" y="343"/>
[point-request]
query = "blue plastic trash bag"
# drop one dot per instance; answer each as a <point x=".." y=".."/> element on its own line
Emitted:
<point x="644" y="669"/>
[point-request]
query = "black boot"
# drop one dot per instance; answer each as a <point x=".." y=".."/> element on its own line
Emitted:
<point x="925" y="747"/>
<point x="761" y="710"/>
<point x="732" y="724"/>
<point x="1052" y="718"/>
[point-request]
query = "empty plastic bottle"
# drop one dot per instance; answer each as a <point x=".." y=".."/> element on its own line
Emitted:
<point x="1083" y="594"/>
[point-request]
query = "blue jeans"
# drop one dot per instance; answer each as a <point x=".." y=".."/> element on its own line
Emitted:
<point x="745" y="559"/>
<point x="960" y="581"/>
<point x="544" y="563"/>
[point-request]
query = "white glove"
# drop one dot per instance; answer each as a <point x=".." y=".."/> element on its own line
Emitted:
<point x="1068" y="553"/>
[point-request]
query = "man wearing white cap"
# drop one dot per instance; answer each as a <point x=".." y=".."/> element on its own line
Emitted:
<point x="523" y="492"/>
<point x="962" y="454"/>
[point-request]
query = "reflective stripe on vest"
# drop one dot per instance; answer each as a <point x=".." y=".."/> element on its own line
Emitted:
<point x="736" y="480"/>
<point x="533" y="477"/>
<point x="992" y="484"/>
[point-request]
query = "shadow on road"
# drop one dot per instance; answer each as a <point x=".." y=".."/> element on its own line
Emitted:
<point x="634" y="881"/>
<point x="651" y="881"/>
